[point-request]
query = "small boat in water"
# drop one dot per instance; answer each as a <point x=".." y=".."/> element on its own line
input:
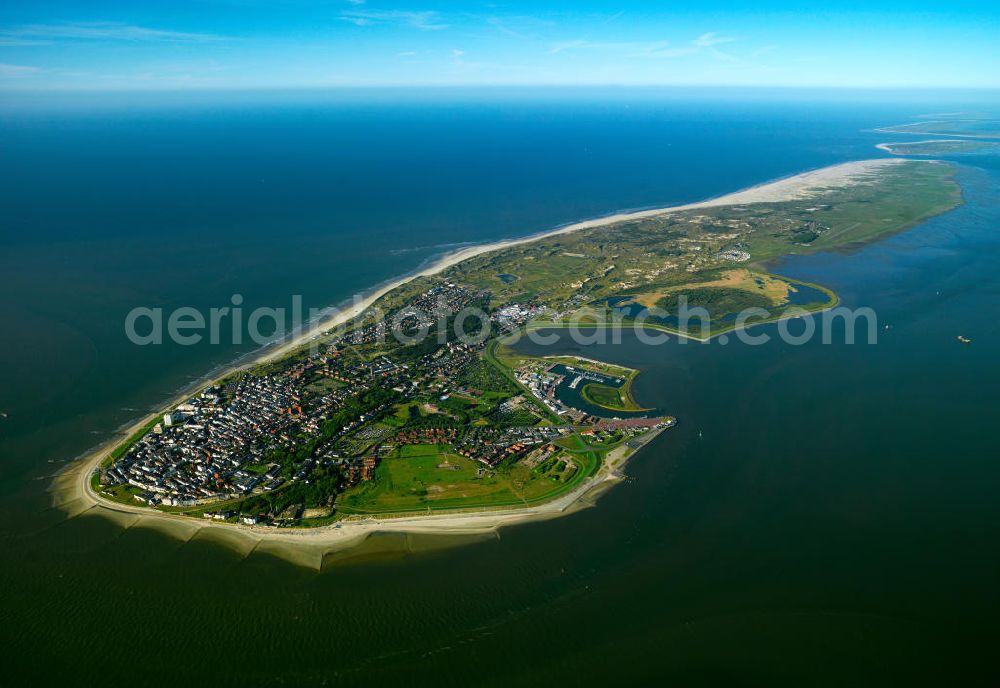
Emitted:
<point x="964" y="340"/>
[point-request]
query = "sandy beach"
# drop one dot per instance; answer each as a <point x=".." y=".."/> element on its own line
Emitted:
<point x="805" y="185"/>
<point x="73" y="494"/>
<point x="309" y="546"/>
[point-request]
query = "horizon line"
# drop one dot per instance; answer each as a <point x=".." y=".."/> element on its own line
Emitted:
<point x="476" y="86"/>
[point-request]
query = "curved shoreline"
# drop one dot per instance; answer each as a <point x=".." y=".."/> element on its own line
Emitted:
<point x="72" y="491"/>
<point x="959" y="136"/>
<point x="887" y="145"/>
<point x="309" y="546"/>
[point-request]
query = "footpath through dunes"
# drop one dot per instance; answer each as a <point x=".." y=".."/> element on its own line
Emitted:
<point x="75" y="492"/>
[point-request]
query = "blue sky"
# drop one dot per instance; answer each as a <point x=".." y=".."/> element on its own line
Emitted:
<point x="156" y="44"/>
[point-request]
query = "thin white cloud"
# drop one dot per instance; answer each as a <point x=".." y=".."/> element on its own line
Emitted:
<point x="569" y="45"/>
<point x="524" y="27"/>
<point x="407" y="53"/>
<point x="663" y="50"/>
<point x="457" y="53"/>
<point x="710" y="39"/>
<point x="425" y="21"/>
<point x="627" y="48"/>
<point x="500" y="24"/>
<point x="763" y="50"/>
<point x="11" y="42"/>
<point x="17" y="71"/>
<point x="704" y="43"/>
<point x="614" y="17"/>
<point x="97" y="31"/>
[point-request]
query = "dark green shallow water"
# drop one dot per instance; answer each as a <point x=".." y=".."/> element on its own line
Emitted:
<point x="835" y="523"/>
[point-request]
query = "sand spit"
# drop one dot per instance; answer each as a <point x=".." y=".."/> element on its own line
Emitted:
<point x="807" y="185"/>
<point x="887" y="146"/>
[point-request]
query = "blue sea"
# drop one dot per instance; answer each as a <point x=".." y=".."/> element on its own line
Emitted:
<point x="112" y="202"/>
<point x="713" y="557"/>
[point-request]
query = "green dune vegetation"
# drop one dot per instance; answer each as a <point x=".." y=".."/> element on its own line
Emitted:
<point x="716" y="257"/>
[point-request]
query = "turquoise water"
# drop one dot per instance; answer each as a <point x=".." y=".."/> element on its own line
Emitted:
<point x="821" y="515"/>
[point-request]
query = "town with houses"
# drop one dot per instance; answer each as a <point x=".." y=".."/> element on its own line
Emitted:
<point x="290" y="443"/>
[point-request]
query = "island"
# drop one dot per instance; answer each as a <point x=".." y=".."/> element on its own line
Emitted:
<point x="386" y="419"/>
<point x="940" y="147"/>
<point x="957" y="126"/>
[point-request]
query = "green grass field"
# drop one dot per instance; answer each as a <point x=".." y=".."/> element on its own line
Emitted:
<point x="718" y="301"/>
<point x="424" y="478"/>
<point x="602" y="395"/>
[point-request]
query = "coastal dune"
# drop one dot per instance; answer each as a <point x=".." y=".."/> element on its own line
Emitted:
<point x="72" y="490"/>
<point x="806" y="185"/>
